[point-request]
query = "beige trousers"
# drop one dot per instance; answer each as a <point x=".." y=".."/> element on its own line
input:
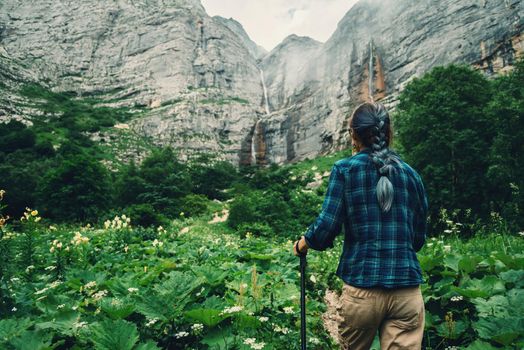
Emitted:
<point x="397" y="314"/>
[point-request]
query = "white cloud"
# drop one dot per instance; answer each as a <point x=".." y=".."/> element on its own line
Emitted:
<point x="268" y="22"/>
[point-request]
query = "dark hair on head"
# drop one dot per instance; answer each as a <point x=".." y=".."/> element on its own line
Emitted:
<point x="371" y="125"/>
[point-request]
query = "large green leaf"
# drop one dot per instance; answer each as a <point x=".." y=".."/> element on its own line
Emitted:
<point x="497" y="306"/>
<point x="452" y="331"/>
<point x="501" y="330"/>
<point x="117" y="308"/>
<point x="212" y="276"/>
<point x="208" y="317"/>
<point x="13" y="327"/>
<point x="219" y="339"/>
<point x="64" y="322"/>
<point x="429" y="262"/>
<point x="468" y="264"/>
<point x="480" y="345"/>
<point x="150" y="345"/>
<point x="155" y="307"/>
<point x="516" y="277"/>
<point x="452" y="262"/>
<point x="483" y="288"/>
<point x="32" y="340"/>
<point x="113" y="335"/>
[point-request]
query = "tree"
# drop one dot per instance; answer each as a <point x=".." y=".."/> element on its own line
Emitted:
<point x="507" y="152"/>
<point x="76" y="190"/>
<point x="210" y="177"/>
<point x="446" y="133"/>
<point x="165" y="180"/>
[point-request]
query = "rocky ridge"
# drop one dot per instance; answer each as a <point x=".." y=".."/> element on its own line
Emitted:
<point x="208" y="87"/>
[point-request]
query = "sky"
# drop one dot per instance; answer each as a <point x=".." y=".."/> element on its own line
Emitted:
<point x="268" y="22"/>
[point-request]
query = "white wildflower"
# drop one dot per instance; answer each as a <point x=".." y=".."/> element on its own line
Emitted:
<point x="252" y="342"/>
<point x="197" y="327"/>
<point x="151" y="322"/>
<point x="14" y="309"/>
<point x="201" y="291"/>
<point x="447" y="231"/>
<point x="61" y="306"/>
<point x="314" y="341"/>
<point x="181" y="334"/>
<point x="457" y="298"/>
<point x="41" y="291"/>
<point x="263" y="319"/>
<point x="99" y="295"/>
<point x="289" y="310"/>
<point x="78" y="325"/>
<point x="132" y="290"/>
<point x="90" y="285"/>
<point x="50" y="268"/>
<point x="232" y="309"/>
<point x="283" y="330"/>
<point x="55" y="284"/>
<point x="313" y="279"/>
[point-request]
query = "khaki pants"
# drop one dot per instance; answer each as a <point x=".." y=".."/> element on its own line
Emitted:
<point x="397" y="314"/>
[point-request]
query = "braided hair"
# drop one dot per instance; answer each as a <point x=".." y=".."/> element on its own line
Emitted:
<point x="371" y="125"/>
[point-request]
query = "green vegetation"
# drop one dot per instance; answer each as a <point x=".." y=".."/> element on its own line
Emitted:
<point x="65" y="112"/>
<point x="197" y="254"/>
<point x="197" y="283"/>
<point x="464" y="134"/>
<point x="223" y="101"/>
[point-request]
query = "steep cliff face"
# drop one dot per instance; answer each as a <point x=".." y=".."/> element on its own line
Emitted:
<point x="201" y="82"/>
<point x="377" y="48"/>
<point x="208" y="87"/>
<point x="255" y="50"/>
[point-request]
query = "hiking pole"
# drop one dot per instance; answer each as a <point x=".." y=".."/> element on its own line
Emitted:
<point x="303" y="264"/>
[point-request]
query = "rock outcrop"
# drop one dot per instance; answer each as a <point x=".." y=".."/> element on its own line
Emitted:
<point x="378" y="47"/>
<point x="198" y="78"/>
<point x="208" y="87"/>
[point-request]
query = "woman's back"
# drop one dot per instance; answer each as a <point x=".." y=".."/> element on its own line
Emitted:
<point x="379" y="247"/>
<point x="381" y="202"/>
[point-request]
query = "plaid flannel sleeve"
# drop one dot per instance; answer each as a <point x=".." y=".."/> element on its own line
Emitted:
<point x="421" y="218"/>
<point x="321" y="234"/>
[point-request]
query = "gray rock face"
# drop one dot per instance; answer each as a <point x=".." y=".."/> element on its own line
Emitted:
<point x="149" y="53"/>
<point x="211" y="88"/>
<point x="378" y="47"/>
<point x="255" y="50"/>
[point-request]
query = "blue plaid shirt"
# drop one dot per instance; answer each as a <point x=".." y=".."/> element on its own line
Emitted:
<point x="379" y="248"/>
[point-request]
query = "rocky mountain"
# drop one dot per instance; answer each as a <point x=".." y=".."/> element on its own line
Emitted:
<point x="255" y="50"/>
<point x="206" y="86"/>
<point x="376" y="49"/>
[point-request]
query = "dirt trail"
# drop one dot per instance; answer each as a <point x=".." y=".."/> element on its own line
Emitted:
<point x="331" y="317"/>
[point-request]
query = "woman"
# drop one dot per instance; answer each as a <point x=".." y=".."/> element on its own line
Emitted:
<point x="383" y="205"/>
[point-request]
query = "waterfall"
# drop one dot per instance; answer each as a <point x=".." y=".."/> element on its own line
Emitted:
<point x="266" y="100"/>
<point x="254" y="142"/>
<point x="371" y="71"/>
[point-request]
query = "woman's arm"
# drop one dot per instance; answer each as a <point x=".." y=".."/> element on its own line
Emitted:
<point x="321" y="234"/>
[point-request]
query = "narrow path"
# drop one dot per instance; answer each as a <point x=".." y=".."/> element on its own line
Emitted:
<point x="331" y="317"/>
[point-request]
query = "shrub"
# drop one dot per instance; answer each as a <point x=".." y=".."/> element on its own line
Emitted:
<point x="144" y="215"/>
<point x="193" y="205"/>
